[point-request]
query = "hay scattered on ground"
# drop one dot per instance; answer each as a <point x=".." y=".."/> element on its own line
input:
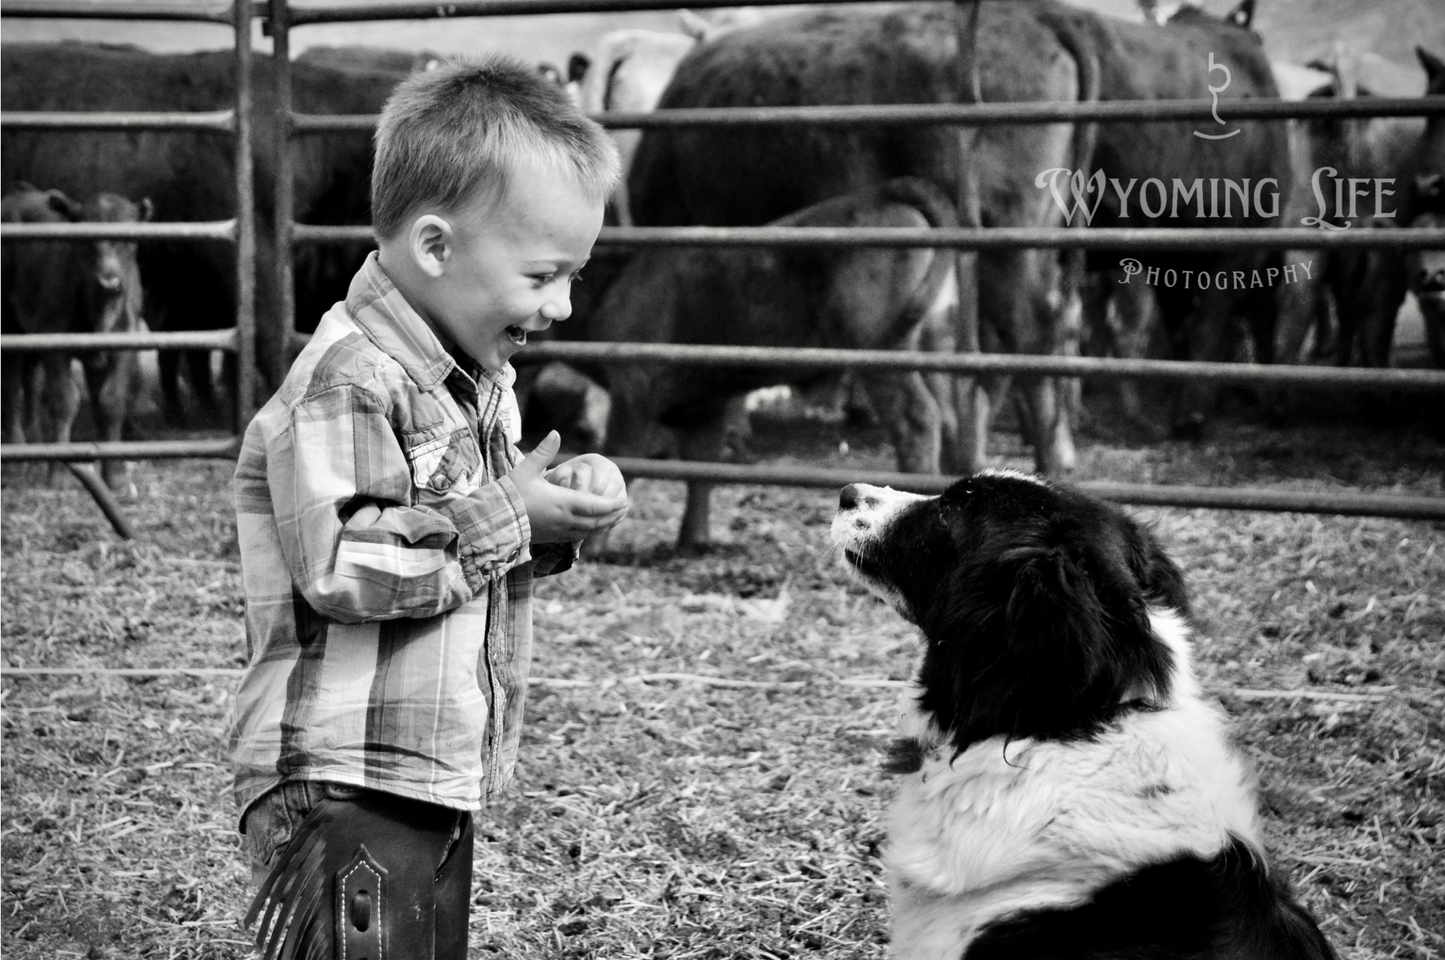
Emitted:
<point x="699" y="772"/>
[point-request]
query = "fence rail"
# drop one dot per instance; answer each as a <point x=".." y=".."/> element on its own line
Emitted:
<point x="199" y="11"/>
<point x="1348" y="378"/>
<point x="969" y="238"/>
<point x="176" y="230"/>
<point x="218" y="121"/>
<point x="1012" y="113"/>
<point x="1138" y="494"/>
<point x="227" y="340"/>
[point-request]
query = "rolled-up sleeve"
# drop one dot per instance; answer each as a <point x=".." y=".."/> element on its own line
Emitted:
<point x="410" y="559"/>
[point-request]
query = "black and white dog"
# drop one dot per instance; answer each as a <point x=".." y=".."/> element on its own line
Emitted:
<point x="1066" y="789"/>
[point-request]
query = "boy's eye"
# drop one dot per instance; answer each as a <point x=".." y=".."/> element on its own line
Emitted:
<point x="543" y="279"/>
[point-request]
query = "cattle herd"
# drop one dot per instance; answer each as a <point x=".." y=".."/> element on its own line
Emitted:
<point x="1336" y="306"/>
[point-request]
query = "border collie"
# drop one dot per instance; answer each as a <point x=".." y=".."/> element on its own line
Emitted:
<point x="1066" y="790"/>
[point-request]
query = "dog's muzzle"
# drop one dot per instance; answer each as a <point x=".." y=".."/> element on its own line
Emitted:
<point x="864" y="511"/>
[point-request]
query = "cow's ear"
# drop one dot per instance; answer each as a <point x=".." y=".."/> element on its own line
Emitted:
<point x="147" y="209"/>
<point x="63" y="205"/>
<point x="1243" y="15"/>
<point x="1434" y="70"/>
<point x="692" y="24"/>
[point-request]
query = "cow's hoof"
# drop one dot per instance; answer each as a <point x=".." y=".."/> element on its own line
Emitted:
<point x="1190" y="429"/>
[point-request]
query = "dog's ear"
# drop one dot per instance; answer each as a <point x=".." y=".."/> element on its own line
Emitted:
<point x="1082" y="640"/>
<point x="1158" y="576"/>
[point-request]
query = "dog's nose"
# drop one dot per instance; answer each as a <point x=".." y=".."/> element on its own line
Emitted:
<point x="849" y="497"/>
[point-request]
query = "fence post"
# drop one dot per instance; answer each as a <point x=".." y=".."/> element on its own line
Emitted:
<point x="970" y="398"/>
<point x="244" y="383"/>
<point x="283" y="324"/>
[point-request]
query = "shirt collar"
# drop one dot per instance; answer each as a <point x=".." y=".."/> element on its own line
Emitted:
<point x="396" y="328"/>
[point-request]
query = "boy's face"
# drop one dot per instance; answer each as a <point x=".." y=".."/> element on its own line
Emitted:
<point x="509" y="267"/>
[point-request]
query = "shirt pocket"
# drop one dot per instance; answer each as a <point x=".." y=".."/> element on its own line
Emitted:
<point x="444" y="464"/>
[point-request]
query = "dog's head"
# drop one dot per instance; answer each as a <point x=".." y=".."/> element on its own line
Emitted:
<point x="1034" y="601"/>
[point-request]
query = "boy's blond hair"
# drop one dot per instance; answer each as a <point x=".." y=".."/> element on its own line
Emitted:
<point x="471" y="125"/>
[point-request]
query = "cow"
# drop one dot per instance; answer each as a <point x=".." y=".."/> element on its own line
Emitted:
<point x="1425" y="270"/>
<point x="71" y="287"/>
<point x="626" y="72"/>
<point x="895" y="55"/>
<point x="1182" y="59"/>
<point x="862" y="298"/>
<point x="1352" y="306"/>
<point x="629" y="69"/>
<point x="190" y="175"/>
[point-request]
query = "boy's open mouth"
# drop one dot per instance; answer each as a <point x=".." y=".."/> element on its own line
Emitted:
<point x="518" y="335"/>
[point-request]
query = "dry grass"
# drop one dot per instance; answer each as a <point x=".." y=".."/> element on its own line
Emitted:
<point x="658" y="816"/>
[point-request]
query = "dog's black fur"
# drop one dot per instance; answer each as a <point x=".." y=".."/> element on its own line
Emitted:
<point x="1034" y="603"/>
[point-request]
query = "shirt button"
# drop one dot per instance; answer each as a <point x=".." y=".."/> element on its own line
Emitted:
<point x="439" y="483"/>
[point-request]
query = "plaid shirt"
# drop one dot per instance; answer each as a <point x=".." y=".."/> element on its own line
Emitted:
<point x="390" y="654"/>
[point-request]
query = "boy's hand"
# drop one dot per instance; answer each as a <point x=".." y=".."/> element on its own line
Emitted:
<point x="594" y="498"/>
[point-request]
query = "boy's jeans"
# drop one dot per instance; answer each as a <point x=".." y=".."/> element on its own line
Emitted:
<point x="323" y="846"/>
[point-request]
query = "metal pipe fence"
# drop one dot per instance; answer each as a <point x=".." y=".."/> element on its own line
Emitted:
<point x="963" y="238"/>
<point x="282" y="17"/>
<point x="239" y="231"/>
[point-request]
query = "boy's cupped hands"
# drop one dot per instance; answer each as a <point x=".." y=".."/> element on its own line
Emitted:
<point x="572" y="500"/>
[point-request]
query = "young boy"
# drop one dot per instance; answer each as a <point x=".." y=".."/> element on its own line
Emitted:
<point x="390" y="529"/>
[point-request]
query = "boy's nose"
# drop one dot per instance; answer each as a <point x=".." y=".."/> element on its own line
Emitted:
<point x="557" y="308"/>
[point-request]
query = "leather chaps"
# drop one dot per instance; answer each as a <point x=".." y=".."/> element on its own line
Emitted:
<point x="371" y="877"/>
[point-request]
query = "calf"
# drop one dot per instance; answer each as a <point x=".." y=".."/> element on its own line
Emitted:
<point x="861" y="298"/>
<point x="1014" y="300"/>
<point x="1353" y="302"/>
<point x="1425" y="270"/>
<point x="71" y="287"/>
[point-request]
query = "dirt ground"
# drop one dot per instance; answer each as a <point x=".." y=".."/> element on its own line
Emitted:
<point x="700" y="769"/>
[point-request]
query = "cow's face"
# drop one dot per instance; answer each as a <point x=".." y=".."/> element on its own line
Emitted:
<point x="113" y="291"/>
<point x="1426" y="268"/>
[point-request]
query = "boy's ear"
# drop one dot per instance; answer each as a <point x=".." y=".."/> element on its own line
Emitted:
<point x="429" y="241"/>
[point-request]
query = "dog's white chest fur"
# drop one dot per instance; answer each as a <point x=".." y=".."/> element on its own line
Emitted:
<point x="1043" y="824"/>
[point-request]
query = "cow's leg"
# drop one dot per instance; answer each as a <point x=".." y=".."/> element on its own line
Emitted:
<point x="702" y="442"/>
<point x="62" y="402"/>
<point x="1131" y="316"/>
<point x="910" y="409"/>
<point x="110" y="382"/>
<point x="14" y="375"/>
<point x="169" y="363"/>
<point x="1208" y="337"/>
<point x="1382" y="295"/>
<point x="1032" y="310"/>
<point x="973" y="394"/>
<point x="1302" y="312"/>
<point x="944" y="388"/>
<point x="203" y="385"/>
<point x="737" y="428"/>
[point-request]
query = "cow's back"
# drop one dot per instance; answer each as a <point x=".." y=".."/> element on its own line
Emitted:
<point x="1146" y="61"/>
<point x="850" y="55"/>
